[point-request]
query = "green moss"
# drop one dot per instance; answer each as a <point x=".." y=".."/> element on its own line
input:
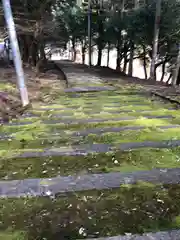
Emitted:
<point x="135" y="136"/>
<point x="32" y="141"/>
<point x="136" y="209"/>
<point x="141" y="159"/>
<point x="7" y="235"/>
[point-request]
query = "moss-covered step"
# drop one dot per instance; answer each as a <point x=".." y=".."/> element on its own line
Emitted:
<point x="85" y="149"/>
<point x="168" y="235"/>
<point x="103" y="113"/>
<point x="84" y="121"/>
<point x="134" y="209"/>
<point x="83" y="133"/>
<point x="90" y="89"/>
<point x="67" y="138"/>
<point x="120" y="161"/>
<point x="86" y="107"/>
<point x="61" y="185"/>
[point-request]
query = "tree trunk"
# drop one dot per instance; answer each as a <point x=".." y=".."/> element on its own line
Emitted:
<point x="130" y="70"/>
<point x="34" y="53"/>
<point x="163" y="71"/>
<point x="83" y="54"/>
<point x="178" y="78"/>
<point x="100" y="38"/>
<point x="155" y="40"/>
<point x="125" y="62"/>
<point x="99" y="56"/>
<point x="42" y="52"/>
<point x="73" y="50"/>
<point x="169" y="78"/>
<point x="144" y="62"/>
<point x="108" y="53"/>
<point x="118" y="60"/>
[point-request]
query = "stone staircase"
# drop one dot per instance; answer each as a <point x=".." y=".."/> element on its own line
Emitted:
<point x="96" y="162"/>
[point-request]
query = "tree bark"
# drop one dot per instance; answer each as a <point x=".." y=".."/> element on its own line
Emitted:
<point x="169" y="78"/>
<point x="99" y="56"/>
<point x="118" y="60"/>
<point x="125" y="62"/>
<point x="74" y="50"/>
<point x="178" y="78"/>
<point x="130" y="70"/>
<point x="108" y="53"/>
<point x="155" y="40"/>
<point x="83" y="54"/>
<point x="144" y="62"/>
<point x="163" y="71"/>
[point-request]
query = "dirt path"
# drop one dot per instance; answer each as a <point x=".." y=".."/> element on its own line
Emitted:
<point x="114" y="148"/>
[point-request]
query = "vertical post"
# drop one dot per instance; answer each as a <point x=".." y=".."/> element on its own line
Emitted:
<point x="156" y="39"/>
<point x="89" y="30"/>
<point x="176" y="69"/>
<point x="16" y="53"/>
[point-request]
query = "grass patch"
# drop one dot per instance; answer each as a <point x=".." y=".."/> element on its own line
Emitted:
<point x="130" y="209"/>
<point x="127" y="161"/>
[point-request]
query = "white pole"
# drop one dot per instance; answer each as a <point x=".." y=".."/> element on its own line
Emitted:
<point x="16" y="53"/>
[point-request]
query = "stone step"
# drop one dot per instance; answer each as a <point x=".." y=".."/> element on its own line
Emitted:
<point x="72" y="114"/>
<point x="76" y="107"/>
<point x="168" y="235"/>
<point x="64" y="185"/>
<point x="89" y="89"/>
<point x="86" y="121"/>
<point x="85" y="149"/>
<point x="97" y="131"/>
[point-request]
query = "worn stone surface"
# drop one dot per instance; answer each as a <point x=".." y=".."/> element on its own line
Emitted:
<point x="49" y="108"/>
<point x="100" y="131"/>
<point x="90" y="89"/>
<point x="169" y="235"/>
<point x="82" y="121"/>
<point x="85" y="149"/>
<point x="64" y="185"/>
<point x="97" y="131"/>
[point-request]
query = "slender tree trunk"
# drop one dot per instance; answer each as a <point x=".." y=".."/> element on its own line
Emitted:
<point x="83" y="54"/>
<point x="108" y="53"/>
<point x="34" y="53"/>
<point x="100" y="42"/>
<point x="176" y="70"/>
<point x="125" y="62"/>
<point x="178" y="78"/>
<point x="163" y="71"/>
<point x="169" y="78"/>
<point x="144" y="62"/>
<point x="130" y="70"/>
<point x="118" y="60"/>
<point x="99" y="56"/>
<point x="42" y="52"/>
<point x="156" y="39"/>
<point x="73" y="50"/>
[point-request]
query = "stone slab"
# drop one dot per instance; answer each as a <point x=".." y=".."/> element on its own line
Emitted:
<point x="89" y="89"/>
<point x="86" y="107"/>
<point x="64" y="185"/>
<point x="85" y="149"/>
<point x="84" y="121"/>
<point x="97" y="131"/>
<point x="168" y="235"/>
